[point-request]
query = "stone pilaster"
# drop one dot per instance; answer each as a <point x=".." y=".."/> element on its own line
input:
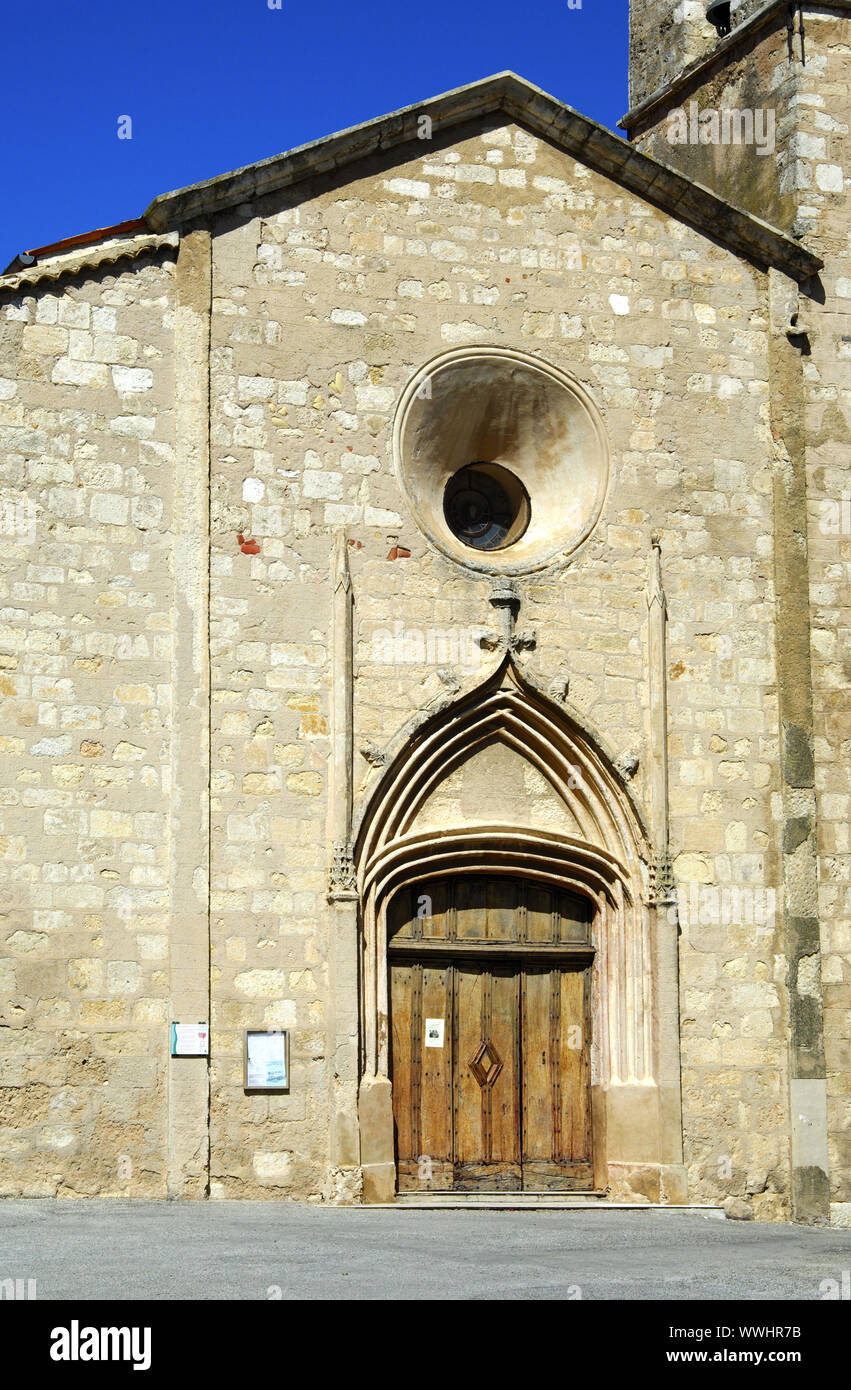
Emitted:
<point x="189" y="946"/>
<point x="807" y="1077"/>
<point x="664" y="923"/>
<point x="342" y="890"/>
<point x="663" y="885"/>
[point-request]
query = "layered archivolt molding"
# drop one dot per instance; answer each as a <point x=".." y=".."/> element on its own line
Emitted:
<point x="506" y="710"/>
<point x="558" y="860"/>
<point x="604" y="854"/>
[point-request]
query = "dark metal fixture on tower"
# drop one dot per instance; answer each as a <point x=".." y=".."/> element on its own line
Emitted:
<point x="718" y="14"/>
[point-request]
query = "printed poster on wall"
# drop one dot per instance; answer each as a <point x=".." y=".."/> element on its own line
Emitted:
<point x="266" y="1063"/>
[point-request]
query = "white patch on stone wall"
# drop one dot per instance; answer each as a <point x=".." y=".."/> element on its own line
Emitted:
<point x="808" y="976"/>
<point x="274" y="1166"/>
<point x="409" y="188"/>
<point x="349" y="318"/>
<point x="253" y="490"/>
<point x="829" y="178"/>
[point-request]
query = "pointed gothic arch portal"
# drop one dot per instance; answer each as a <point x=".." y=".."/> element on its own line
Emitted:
<point x="505" y="787"/>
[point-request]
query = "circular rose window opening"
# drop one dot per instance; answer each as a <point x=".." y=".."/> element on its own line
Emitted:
<point x="486" y="506"/>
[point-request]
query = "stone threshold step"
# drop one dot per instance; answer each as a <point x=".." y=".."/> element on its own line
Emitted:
<point x="506" y="1201"/>
<point x="440" y="1193"/>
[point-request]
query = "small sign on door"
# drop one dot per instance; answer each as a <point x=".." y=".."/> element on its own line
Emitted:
<point x="434" y="1032"/>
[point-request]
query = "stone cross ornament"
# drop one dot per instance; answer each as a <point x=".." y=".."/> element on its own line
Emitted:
<point x="506" y="600"/>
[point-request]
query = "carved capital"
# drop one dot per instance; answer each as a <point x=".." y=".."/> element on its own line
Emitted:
<point x="341" y="877"/>
<point x="664" y="883"/>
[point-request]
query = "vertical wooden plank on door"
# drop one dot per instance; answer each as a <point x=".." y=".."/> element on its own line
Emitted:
<point x="467" y="1097"/>
<point x="487" y="1087"/>
<point x="501" y="905"/>
<point x="504" y="1093"/>
<point x="539" y="914"/>
<point x="575" y="1068"/>
<point x="399" y="917"/>
<point x="537" y="1072"/>
<point x="435" y="1170"/>
<point x="470" y="914"/>
<point x="431" y="903"/>
<point x="401" y="996"/>
<point x="575" y="918"/>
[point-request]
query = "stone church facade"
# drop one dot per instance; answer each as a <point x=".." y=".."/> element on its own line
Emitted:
<point x="424" y="631"/>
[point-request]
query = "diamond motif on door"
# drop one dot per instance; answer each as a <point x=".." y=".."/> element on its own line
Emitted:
<point x="504" y="1105"/>
<point x="486" y="1063"/>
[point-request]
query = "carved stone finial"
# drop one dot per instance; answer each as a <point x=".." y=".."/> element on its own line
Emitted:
<point x="654" y="593"/>
<point x="504" y="594"/>
<point x="341" y="576"/>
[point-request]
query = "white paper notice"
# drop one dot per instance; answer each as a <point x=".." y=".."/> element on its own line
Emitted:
<point x="191" y="1040"/>
<point x="267" y="1060"/>
<point x="434" y="1032"/>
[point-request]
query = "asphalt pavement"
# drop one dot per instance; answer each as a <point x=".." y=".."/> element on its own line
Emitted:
<point x="275" y="1250"/>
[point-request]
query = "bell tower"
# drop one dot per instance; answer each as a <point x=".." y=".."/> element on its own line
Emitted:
<point x="666" y="36"/>
<point x="750" y="99"/>
<point x="729" y="91"/>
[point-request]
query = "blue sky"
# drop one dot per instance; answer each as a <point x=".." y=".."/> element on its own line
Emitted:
<point x="213" y="84"/>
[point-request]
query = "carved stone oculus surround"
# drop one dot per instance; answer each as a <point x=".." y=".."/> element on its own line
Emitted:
<point x="502" y="458"/>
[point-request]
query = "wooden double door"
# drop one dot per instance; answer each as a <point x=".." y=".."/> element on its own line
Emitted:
<point x="490" y="1036"/>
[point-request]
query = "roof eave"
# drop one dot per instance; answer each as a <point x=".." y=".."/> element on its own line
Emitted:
<point x="86" y="258"/>
<point x="578" y="136"/>
<point x="329" y="153"/>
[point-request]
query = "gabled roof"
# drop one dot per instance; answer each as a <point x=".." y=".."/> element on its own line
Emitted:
<point x="520" y="101"/>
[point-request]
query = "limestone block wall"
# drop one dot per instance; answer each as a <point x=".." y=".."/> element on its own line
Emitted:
<point x="825" y="107"/>
<point x="792" y="86"/>
<point x="808" y="89"/>
<point x="325" y="303"/>
<point x="666" y="35"/>
<point x="86" y="472"/>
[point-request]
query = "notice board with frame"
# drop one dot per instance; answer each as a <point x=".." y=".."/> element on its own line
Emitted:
<point x="266" y="1064"/>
